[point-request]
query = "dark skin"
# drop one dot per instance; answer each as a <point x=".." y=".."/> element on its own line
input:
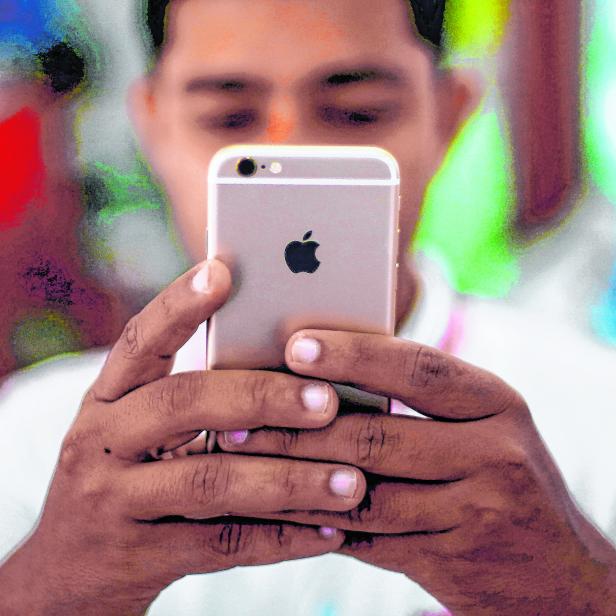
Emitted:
<point x="136" y="525"/>
<point x="468" y="503"/>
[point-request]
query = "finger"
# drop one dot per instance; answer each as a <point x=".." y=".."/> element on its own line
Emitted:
<point x="145" y="350"/>
<point x="405" y="447"/>
<point x="430" y="381"/>
<point x="204" y="547"/>
<point x="172" y="410"/>
<point x="208" y="486"/>
<point x="392" y="508"/>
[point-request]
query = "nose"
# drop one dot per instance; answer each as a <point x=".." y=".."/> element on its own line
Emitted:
<point x="279" y="127"/>
<point x="283" y="122"/>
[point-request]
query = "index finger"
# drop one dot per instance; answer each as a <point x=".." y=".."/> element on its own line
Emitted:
<point x="426" y="379"/>
<point x="145" y="350"/>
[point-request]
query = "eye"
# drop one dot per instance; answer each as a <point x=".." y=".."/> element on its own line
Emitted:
<point x="338" y="116"/>
<point x="237" y="120"/>
<point x="241" y="119"/>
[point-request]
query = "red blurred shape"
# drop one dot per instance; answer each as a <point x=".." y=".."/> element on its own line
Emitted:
<point x="21" y="165"/>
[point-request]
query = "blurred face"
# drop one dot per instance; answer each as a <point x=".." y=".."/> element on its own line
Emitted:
<point x="294" y="72"/>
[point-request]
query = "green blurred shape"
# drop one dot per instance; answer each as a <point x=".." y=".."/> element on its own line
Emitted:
<point x="127" y="192"/>
<point x="475" y="28"/>
<point x="599" y="96"/>
<point x="113" y="194"/>
<point x="467" y="211"/>
<point x="42" y="335"/>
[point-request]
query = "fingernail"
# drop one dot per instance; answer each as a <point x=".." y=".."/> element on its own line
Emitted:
<point x="327" y="532"/>
<point x="238" y="437"/>
<point x="316" y="398"/>
<point x="343" y="483"/>
<point x="202" y="279"/>
<point x="305" y="350"/>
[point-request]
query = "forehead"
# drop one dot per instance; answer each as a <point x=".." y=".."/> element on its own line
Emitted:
<point x="284" y="39"/>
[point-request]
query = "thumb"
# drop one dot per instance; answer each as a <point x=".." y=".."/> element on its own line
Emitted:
<point x="145" y="350"/>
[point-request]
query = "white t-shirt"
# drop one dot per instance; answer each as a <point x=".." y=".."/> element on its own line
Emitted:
<point x="567" y="378"/>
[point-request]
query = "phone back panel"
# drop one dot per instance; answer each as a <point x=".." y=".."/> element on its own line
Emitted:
<point x="346" y="200"/>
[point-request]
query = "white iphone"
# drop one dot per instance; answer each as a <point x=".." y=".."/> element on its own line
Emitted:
<point x="310" y="235"/>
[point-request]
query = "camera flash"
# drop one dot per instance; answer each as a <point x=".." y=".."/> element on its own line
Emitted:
<point x="276" y="168"/>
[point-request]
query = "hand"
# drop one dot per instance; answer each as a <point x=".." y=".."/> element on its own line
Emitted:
<point x="118" y="526"/>
<point x="467" y="502"/>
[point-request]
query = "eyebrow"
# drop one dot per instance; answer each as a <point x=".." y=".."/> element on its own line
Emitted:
<point x="337" y="79"/>
<point x="344" y="78"/>
<point x="200" y="84"/>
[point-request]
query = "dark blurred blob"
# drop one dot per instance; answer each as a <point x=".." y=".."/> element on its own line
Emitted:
<point x="63" y="67"/>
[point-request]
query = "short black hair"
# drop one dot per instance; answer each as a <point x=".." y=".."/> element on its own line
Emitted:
<point x="429" y="17"/>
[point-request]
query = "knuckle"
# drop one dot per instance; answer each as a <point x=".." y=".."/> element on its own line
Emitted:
<point x="276" y="537"/>
<point x="281" y="536"/>
<point x="232" y="540"/>
<point x="485" y="521"/>
<point x="170" y="312"/>
<point x="518" y="477"/>
<point x="175" y="393"/>
<point x="257" y="389"/>
<point x="363" y="351"/>
<point x="88" y="482"/>
<point x="288" y="441"/>
<point x="373" y="445"/>
<point x="514" y="403"/>
<point x="132" y="338"/>
<point x="70" y="458"/>
<point x="94" y="491"/>
<point x="513" y="472"/>
<point x="425" y="367"/>
<point x="72" y="452"/>
<point x="513" y="453"/>
<point x="209" y="481"/>
<point x="484" y="516"/>
<point x="287" y="480"/>
<point x="166" y="305"/>
<point x="92" y="402"/>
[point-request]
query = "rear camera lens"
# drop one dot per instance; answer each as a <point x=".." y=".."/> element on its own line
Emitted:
<point x="246" y="167"/>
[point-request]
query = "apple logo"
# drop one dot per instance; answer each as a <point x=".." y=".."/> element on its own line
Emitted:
<point x="301" y="257"/>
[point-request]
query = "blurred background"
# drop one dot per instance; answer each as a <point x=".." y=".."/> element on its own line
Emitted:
<point x="85" y="232"/>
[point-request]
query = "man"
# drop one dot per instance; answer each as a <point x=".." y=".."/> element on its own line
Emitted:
<point x="466" y="501"/>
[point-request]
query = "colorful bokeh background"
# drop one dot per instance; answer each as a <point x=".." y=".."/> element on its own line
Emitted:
<point x="76" y="233"/>
<point x="80" y="212"/>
